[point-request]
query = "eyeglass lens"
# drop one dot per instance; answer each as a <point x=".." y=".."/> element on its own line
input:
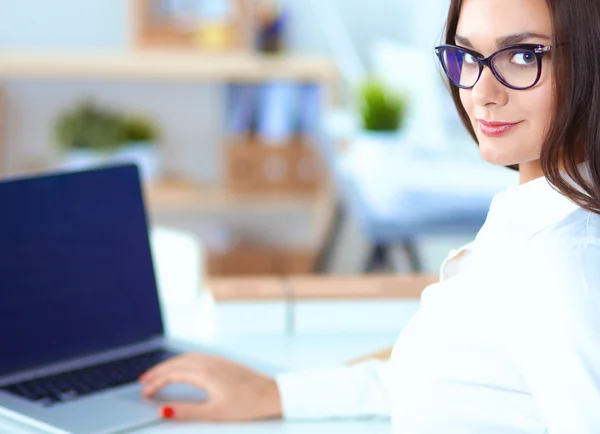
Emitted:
<point x="516" y="67"/>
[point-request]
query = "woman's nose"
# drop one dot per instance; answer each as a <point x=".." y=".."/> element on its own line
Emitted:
<point x="488" y="90"/>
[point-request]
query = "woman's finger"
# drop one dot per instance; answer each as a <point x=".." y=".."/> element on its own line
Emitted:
<point x="176" y="363"/>
<point x="179" y="376"/>
<point x="191" y="411"/>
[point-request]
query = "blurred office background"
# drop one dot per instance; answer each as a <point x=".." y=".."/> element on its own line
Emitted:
<point x="288" y="136"/>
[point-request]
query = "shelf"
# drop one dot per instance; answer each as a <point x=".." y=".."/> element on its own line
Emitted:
<point x="182" y="196"/>
<point x="168" y="66"/>
<point x="321" y="288"/>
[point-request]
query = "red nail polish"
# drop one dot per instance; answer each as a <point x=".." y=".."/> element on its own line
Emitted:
<point x="168" y="412"/>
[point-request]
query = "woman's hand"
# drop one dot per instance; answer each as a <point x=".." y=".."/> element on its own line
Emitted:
<point x="235" y="393"/>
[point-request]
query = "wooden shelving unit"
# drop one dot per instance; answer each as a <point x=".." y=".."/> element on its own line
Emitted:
<point x="176" y="196"/>
<point x="172" y="66"/>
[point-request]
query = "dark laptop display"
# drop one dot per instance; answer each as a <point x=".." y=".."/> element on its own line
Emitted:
<point x="69" y="243"/>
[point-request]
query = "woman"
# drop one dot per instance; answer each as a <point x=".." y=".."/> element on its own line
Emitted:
<point x="509" y="340"/>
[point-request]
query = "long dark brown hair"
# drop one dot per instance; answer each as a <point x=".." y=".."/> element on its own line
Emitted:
<point x="573" y="135"/>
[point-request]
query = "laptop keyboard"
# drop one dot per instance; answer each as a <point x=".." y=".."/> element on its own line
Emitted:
<point x="70" y="385"/>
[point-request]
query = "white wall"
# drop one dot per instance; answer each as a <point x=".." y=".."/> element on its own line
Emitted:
<point x="62" y="24"/>
<point x="366" y="21"/>
<point x="428" y="18"/>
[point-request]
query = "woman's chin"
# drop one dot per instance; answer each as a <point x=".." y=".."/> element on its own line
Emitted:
<point x="493" y="156"/>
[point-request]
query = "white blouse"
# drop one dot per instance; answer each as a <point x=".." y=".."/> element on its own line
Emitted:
<point x="507" y="342"/>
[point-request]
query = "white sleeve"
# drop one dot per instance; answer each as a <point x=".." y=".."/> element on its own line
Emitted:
<point x="558" y="347"/>
<point x="344" y="392"/>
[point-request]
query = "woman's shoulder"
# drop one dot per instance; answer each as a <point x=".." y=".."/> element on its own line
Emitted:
<point x="593" y="228"/>
<point x="563" y="262"/>
<point x="580" y="228"/>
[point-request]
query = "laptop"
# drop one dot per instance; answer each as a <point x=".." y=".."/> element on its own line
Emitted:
<point x="80" y="318"/>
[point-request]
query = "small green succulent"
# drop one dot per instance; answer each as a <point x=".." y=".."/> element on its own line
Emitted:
<point x="382" y="108"/>
<point x="138" y="128"/>
<point x="90" y="126"/>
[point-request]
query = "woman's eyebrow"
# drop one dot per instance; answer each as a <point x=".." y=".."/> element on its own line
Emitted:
<point x="504" y="41"/>
<point x="461" y="40"/>
<point x="517" y="38"/>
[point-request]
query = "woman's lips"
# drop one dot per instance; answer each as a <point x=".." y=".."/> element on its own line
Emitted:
<point x="495" y="129"/>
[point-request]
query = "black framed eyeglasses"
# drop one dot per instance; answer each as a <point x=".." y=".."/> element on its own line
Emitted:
<point x="517" y="67"/>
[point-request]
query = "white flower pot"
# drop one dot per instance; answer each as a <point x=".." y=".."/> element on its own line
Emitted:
<point x="143" y="154"/>
<point x="81" y="159"/>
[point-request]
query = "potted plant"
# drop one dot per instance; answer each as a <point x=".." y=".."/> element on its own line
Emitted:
<point x="140" y="145"/>
<point x="90" y="135"/>
<point x="382" y="108"/>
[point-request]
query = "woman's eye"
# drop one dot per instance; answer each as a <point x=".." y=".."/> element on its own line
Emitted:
<point x="523" y="58"/>
<point x="469" y="59"/>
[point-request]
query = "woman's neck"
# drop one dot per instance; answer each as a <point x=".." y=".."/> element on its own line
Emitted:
<point x="530" y="171"/>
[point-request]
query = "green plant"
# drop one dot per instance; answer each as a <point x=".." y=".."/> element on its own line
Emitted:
<point x="382" y="108"/>
<point x="139" y="129"/>
<point x="89" y="126"/>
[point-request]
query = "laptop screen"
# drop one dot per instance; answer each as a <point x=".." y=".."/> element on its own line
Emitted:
<point x="76" y="273"/>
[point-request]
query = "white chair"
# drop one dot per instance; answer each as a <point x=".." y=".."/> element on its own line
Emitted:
<point x="188" y="309"/>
